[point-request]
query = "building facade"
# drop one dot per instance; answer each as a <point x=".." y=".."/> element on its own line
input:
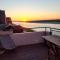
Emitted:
<point x="2" y="17"/>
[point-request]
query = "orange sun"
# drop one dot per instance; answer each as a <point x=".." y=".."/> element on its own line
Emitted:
<point x="24" y="19"/>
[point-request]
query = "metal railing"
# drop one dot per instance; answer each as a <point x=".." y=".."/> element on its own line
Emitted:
<point x="50" y="29"/>
<point x="55" y="29"/>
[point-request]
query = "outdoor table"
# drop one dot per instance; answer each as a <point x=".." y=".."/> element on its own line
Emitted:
<point x="53" y="44"/>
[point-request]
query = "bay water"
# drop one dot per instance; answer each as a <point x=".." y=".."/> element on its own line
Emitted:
<point x="33" y="25"/>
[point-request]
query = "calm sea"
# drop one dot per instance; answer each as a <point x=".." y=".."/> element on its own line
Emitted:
<point x="32" y="25"/>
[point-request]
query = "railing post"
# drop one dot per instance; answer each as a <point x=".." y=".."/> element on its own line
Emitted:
<point x="50" y="31"/>
<point x="45" y="30"/>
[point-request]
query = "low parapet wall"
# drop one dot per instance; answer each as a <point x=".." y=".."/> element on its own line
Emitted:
<point x="27" y="38"/>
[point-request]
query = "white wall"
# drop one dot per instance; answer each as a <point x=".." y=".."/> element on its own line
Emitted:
<point x="27" y="38"/>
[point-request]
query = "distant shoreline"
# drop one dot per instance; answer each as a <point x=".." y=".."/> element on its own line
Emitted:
<point x="47" y="22"/>
<point x="57" y="21"/>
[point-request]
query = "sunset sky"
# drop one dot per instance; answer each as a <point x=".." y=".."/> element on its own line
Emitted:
<point x="24" y="10"/>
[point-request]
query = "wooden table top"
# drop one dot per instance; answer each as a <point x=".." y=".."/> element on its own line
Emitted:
<point x="53" y="39"/>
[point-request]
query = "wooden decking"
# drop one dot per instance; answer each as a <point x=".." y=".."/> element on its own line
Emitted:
<point x="30" y="52"/>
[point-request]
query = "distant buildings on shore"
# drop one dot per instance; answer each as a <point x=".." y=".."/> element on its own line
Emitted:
<point x="4" y="19"/>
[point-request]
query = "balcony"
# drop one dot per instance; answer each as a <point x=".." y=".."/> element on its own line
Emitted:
<point x="25" y="46"/>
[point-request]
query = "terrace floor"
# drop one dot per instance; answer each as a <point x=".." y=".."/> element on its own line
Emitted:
<point x="29" y="52"/>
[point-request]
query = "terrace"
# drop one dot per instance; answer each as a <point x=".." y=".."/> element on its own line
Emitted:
<point x="28" y="45"/>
